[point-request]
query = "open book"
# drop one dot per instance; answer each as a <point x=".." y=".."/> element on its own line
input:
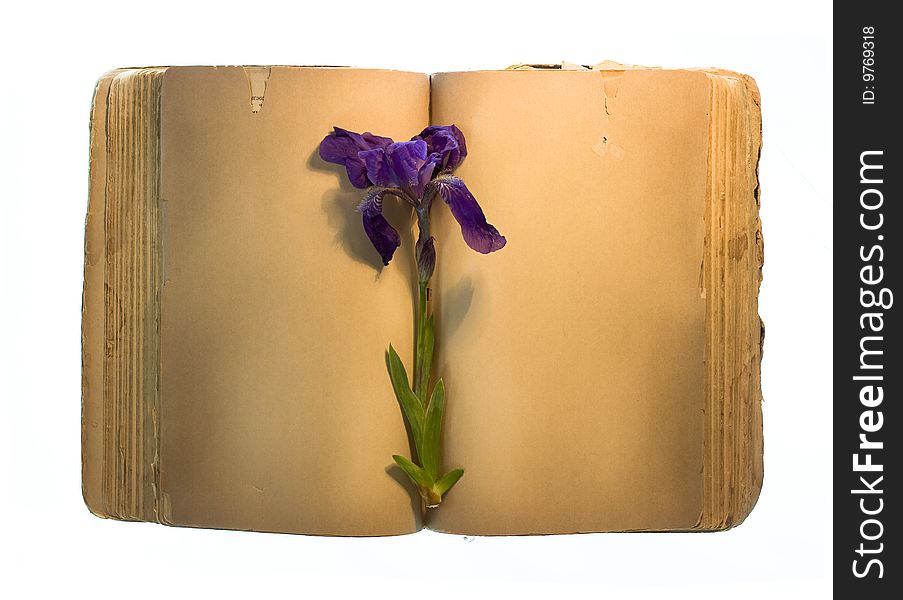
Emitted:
<point x="602" y="372"/>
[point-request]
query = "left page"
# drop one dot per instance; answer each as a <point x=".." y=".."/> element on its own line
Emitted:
<point x="276" y="412"/>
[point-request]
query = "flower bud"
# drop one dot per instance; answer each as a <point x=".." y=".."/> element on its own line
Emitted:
<point x="426" y="259"/>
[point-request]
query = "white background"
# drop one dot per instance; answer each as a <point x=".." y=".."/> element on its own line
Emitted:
<point x="53" y="55"/>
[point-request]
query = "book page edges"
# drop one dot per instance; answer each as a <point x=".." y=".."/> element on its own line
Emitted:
<point x="732" y="274"/>
<point x="118" y="325"/>
<point x="92" y="306"/>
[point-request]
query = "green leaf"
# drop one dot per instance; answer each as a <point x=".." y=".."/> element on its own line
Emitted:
<point x="447" y="481"/>
<point x="432" y="430"/>
<point x="416" y="474"/>
<point x="411" y="406"/>
<point x="425" y="343"/>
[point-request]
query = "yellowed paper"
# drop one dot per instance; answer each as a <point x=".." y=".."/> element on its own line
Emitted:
<point x="277" y="414"/>
<point x="573" y="358"/>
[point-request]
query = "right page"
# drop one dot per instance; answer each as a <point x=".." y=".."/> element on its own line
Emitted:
<point x="575" y="358"/>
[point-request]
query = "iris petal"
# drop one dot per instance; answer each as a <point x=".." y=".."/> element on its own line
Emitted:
<point x="383" y="236"/>
<point x="405" y="160"/>
<point x="377" y="166"/>
<point x="426" y="172"/>
<point x="479" y="235"/>
<point x="342" y="147"/>
<point x="373" y="141"/>
<point x="448" y="141"/>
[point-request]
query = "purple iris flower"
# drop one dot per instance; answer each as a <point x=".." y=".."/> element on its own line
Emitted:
<point x="415" y="171"/>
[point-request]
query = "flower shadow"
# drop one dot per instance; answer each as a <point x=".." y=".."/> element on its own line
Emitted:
<point x="456" y="303"/>
<point x="340" y="205"/>
<point x="395" y="472"/>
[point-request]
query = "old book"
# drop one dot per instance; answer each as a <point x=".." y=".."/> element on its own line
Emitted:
<point x="602" y="372"/>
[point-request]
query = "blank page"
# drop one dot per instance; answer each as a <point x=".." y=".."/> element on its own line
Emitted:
<point x="574" y="357"/>
<point x="276" y="409"/>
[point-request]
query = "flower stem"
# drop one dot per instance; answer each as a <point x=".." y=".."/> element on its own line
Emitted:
<point x="422" y="351"/>
<point x="418" y="351"/>
<point x="423" y="410"/>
